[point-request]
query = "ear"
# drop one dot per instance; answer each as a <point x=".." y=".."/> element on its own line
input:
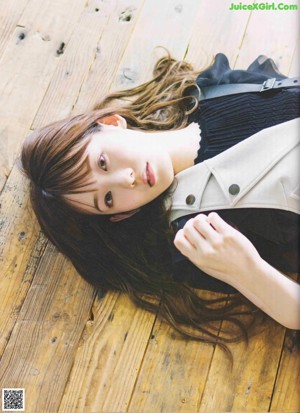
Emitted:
<point x="123" y="215"/>
<point x="115" y="120"/>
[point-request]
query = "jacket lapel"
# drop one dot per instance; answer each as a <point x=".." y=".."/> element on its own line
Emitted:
<point x="244" y="165"/>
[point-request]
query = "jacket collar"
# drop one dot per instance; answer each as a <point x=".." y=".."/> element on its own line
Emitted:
<point x="244" y="165"/>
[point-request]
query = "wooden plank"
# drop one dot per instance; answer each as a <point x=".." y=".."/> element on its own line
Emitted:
<point x="21" y="243"/>
<point x="248" y="386"/>
<point x="107" y="399"/>
<point x="37" y="358"/>
<point x="217" y="29"/>
<point x="243" y="35"/>
<point x="21" y="246"/>
<point x="294" y="69"/>
<point x="26" y="68"/>
<point x="273" y="33"/>
<point x="173" y="374"/>
<point x="109" y="380"/>
<point x="286" y="396"/>
<point x="108" y="358"/>
<point x="168" y="24"/>
<point x="109" y="51"/>
<point x="10" y="12"/>
<point x="75" y="63"/>
<point x="52" y="397"/>
<point x="40" y="351"/>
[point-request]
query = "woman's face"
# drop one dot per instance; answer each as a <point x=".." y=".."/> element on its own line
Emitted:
<point x="129" y="169"/>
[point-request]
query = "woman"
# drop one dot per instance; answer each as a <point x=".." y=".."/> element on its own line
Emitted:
<point x="99" y="187"/>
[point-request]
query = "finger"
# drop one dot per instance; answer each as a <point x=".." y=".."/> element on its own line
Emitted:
<point x="194" y="235"/>
<point x="218" y="223"/>
<point x="182" y="243"/>
<point x="202" y="225"/>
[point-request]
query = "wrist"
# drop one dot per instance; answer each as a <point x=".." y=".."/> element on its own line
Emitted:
<point x="254" y="277"/>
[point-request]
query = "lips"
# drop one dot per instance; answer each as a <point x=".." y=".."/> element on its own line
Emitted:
<point x="150" y="175"/>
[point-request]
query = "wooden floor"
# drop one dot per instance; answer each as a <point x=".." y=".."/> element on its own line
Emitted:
<point x="71" y="351"/>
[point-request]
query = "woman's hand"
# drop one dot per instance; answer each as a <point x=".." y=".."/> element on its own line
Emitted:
<point x="223" y="252"/>
<point x="216" y="248"/>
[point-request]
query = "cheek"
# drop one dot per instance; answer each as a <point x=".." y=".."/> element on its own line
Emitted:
<point x="166" y="169"/>
<point x="138" y="199"/>
<point x="167" y="178"/>
<point x="128" y="201"/>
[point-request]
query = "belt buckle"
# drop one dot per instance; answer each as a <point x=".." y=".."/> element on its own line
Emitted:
<point x="268" y="84"/>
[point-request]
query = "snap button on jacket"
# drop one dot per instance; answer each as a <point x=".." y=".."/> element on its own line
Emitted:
<point x="261" y="171"/>
<point x="190" y="199"/>
<point x="234" y="189"/>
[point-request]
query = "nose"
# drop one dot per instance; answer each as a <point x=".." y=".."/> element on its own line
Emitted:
<point x="126" y="178"/>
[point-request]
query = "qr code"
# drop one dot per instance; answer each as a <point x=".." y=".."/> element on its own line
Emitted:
<point x="13" y="400"/>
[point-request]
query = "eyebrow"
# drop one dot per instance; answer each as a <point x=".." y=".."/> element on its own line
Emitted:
<point x="96" y="202"/>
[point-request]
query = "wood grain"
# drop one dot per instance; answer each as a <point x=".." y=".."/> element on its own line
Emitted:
<point x="74" y="64"/>
<point x="248" y="386"/>
<point x="272" y="33"/>
<point x="173" y="373"/>
<point x="117" y="337"/>
<point x="286" y="396"/>
<point x="222" y="33"/>
<point x="40" y="350"/>
<point x="110" y="49"/>
<point x="166" y="24"/>
<point x="21" y="247"/>
<point x="10" y="12"/>
<point x="70" y="350"/>
<point x="26" y="68"/>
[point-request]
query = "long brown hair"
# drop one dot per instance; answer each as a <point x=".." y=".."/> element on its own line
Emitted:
<point x="133" y="255"/>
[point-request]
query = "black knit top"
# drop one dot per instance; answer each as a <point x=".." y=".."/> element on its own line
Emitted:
<point x="227" y="120"/>
<point x="224" y="122"/>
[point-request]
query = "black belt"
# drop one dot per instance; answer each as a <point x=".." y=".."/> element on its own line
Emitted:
<point x="210" y="92"/>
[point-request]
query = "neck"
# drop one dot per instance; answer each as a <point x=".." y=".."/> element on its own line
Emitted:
<point x="182" y="145"/>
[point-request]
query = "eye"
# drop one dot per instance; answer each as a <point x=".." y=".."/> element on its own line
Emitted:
<point x="108" y="199"/>
<point x="102" y="162"/>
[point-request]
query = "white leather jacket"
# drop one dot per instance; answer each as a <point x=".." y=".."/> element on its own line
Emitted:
<point x="259" y="172"/>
